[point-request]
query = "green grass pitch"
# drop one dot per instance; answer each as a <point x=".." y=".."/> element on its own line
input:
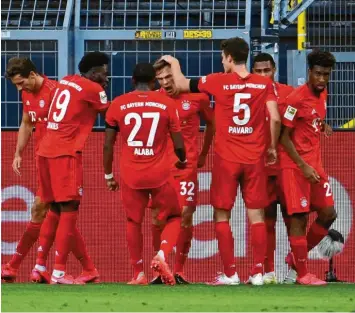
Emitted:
<point x="195" y="298"/>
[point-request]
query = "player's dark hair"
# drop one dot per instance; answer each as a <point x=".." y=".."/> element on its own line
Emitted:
<point x="143" y="73"/>
<point x="237" y="48"/>
<point x="160" y="64"/>
<point x="320" y="58"/>
<point x="23" y="66"/>
<point x="91" y="60"/>
<point x="264" y="57"/>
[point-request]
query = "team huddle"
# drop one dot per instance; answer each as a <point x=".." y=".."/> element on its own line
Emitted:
<point x="265" y="136"/>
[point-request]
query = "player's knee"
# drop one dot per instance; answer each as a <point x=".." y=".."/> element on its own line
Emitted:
<point x="298" y="224"/>
<point x="220" y="215"/>
<point x="38" y="211"/>
<point x="256" y="215"/>
<point x="327" y="216"/>
<point x="155" y="220"/>
<point x="187" y="217"/>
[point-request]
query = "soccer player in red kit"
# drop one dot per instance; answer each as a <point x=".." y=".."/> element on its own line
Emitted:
<point x="241" y="137"/>
<point x="190" y="107"/>
<point x="303" y="179"/>
<point x="72" y="114"/>
<point x="37" y="94"/>
<point x="264" y="65"/>
<point x="145" y="119"/>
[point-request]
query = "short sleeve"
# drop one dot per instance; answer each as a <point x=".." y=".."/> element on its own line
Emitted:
<point x="291" y="112"/>
<point x="209" y="84"/>
<point x="97" y="97"/>
<point x="174" y="121"/>
<point x="24" y="105"/>
<point x="271" y="92"/>
<point x="111" y="116"/>
<point x="205" y="108"/>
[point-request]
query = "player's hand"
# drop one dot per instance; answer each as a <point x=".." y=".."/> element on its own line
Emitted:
<point x="180" y="165"/>
<point x="201" y="161"/>
<point x="16" y="164"/>
<point x="112" y="185"/>
<point x="327" y="130"/>
<point x="169" y="59"/>
<point x="310" y="173"/>
<point x="271" y="156"/>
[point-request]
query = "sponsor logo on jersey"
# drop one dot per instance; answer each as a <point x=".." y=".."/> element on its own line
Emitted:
<point x="27" y="102"/>
<point x="204" y="79"/>
<point x="41" y="103"/>
<point x="190" y="199"/>
<point x="290" y="113"/>
<point x="186" y="105"/>
<point x="314" y="111"/>
<point x="103" y="97"/>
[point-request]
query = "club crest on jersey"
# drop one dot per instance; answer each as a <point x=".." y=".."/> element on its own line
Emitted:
<point x="290" y="113"/>
<point x="304" y="202"/>
<point x="27" y="102"/>
<point x="186" y="105"/>
<point x="41" y="103"/>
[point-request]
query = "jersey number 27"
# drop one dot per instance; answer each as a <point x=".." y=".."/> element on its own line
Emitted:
<point x="138" y="124"/>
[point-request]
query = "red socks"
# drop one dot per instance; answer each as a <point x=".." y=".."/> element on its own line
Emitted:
<point x="258" y="242"/>
<point x="64" y="238"/>
<point x="27" y="240"/>
<point x="80" y="252"/>
<point x="315" y="234"/>
<point x="299" y="249"/>
<point x="170" y="234"/>
<point x="269" y="262"/>
<point x="156" y="237"/>
<point x="183" y="247"/>
<point x="135" y="246"/>
<point x="47" y="236"/>
<point x="226" y="247"/>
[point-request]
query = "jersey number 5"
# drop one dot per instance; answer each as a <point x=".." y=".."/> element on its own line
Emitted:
<point x="61" y="104"/>
<point x="238" y="106"/>
<point x="138" y="119"/>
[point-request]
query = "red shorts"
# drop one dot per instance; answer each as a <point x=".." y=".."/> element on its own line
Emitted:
<point x="226" y="177"/>
<point x="301" y="196"/>
<point x="61" y="178"/>
<point x="187" y="188"/>
<point x="165" y="198"/>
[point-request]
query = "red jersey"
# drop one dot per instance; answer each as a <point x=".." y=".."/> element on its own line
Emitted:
<point x="240" y="114"/>
<point x="145" y="119"/>
<point x="303" y="112"/>
<point x="71" y="116"/>
<point x="282" y="91"/>
<point x="36" y="105"/>
<point x="190" y="106"/>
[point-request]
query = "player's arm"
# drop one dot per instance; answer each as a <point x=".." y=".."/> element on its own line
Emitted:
<point x="275" y="122"/>
<point x="289" y="123"/>
<point x="179" y="149"/>
<point x="208" y="116"/>
<point x="205" y="84"/>
<point x="326" y="129"/>
<point x="109" y="143"/>
<point x="24" y="135"/>
<point x="176" y="136"/>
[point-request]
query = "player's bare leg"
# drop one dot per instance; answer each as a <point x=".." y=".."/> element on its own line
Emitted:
<point x="226" y="248"/>
<point x="258" y="241"/>
<point x="29" y="237"/>
<point x="184" y="243"/>
<point x="298" y="258"/>
<point x="169" y="239"/>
